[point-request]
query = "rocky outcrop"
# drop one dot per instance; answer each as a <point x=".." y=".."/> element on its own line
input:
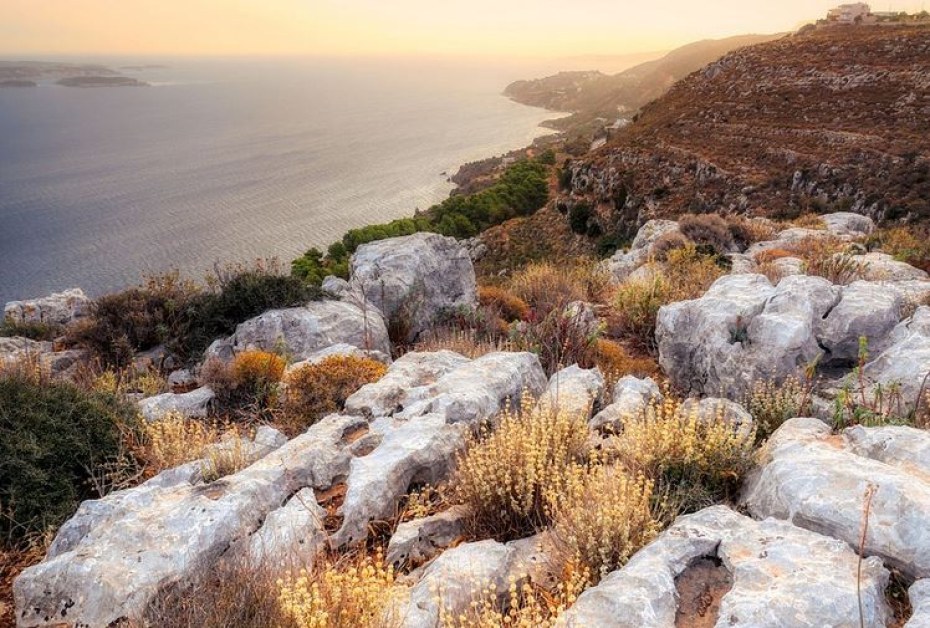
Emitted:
<point x="16" y="350"/>
<point x="291" y="537"/>
<point x="906" y="359"/>
<point x="883" y="267"/>
<point x="152" y="537"/>
<point x="417" y="541"/>
<point x="919" y="596"/>
<point x="195" y="404"/>
<point x="865" y="310"/>
<point x="848" y="224"/>
<point x="713" y="409"/>
<point x="303" y="331"/>
<point x="412" y="371"/>
<point x="574" y="391"/>
<point x="60" y="308"/>
<point x="631" y="396"/>
<point x="623" y="263"/>
<point x="414" y="280"/>
<point x="781" y="575"/>
<point x="454" y="580"/>
<point x="819" y="481"/>
<point x="420" y="450"/>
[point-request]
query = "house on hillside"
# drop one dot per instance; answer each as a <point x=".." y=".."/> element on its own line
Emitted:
<point x="857" y="13"/>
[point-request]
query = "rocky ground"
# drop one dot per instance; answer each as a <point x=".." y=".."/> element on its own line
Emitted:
<point x="834" y="510"/>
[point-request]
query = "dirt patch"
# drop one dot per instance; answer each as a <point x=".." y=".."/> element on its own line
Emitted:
<point x="701" y="587"/>
<point x="331" y="500"/>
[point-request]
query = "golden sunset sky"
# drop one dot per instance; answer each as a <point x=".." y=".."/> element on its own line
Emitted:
<point x="362" y="27"/>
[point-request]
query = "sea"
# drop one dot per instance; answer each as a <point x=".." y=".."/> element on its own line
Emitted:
<point x="231" y="160"/>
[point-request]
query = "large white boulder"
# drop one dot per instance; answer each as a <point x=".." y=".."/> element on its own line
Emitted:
<point x="781" y="575"/>
<point x="302" y="332"/>
<point x="574" y="391"/>
<point x="416" y="541"/>
<point x="195" y="404"/>
<point x="865" y="310"/>
<point x="631" y="397"/>
<point x="623" y="263"/>
<point x="905" y="362"/>
<point x="415" y="279"/>
<point x="819" y="481"/>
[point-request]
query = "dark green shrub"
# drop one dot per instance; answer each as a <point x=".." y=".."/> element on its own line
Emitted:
<point x="52" y="437"/>
<point x="34" y="330"/>
<point x="579" y="217"/>
<point x="707" y="229"/>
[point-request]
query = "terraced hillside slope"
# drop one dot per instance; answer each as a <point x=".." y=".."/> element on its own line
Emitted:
<point x="827" y="120"/>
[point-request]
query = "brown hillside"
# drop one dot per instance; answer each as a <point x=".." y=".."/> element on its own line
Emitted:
<point x="834" y="119"/>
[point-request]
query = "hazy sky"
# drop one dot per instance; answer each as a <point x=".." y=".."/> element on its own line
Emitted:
<point x="513" y="27"/>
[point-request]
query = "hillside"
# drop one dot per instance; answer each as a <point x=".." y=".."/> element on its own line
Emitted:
<point x="833" y="119"/>
<point x="593" y="94"/>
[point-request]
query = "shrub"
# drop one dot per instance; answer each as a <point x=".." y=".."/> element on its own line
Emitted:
<point x="238" y="293"/>
<point x="707" y="230"/>
<point x="467" y="342"/>
<point x="315" y="390"/>
<point x="748" y="231"/>
<point x="175" y="440"/>
<point x="510" y="307"/>
<point x="548" y="287"/>
<point x="34" y="330"/>
<point x="560" y="338"/>
<point x="771" y="255"/>
<point x="148" y="383"/>
<point x="579" y="217"/>
<point x="772" y="404"/>
<point x="699" y="460"/>
<point x="512" y="477"/>
<point x="838" y="268"/>
<point x="257" y="373"/>
<point x="358" y="592"/>
<point x="604" y="519"/>
<point x="52" y="437"/>
<point x="666" y="243"/>
<point x="809" y="221"/>
<point x="614" y="362"/>
<point x="907" y="244"/>
<point x="687" y="274"/>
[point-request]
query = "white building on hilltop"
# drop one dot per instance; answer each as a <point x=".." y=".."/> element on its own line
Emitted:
<point x="850" y="13"/>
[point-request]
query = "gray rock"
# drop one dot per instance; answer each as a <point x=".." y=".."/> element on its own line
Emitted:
<point x="782" y="576"/>
<point x="59" y="308"/>
<point x="866" y="309"/>
<point x="819" y="482"/>
<point x="415" y="370"/>
<point x="574" y="391"/>
<point x="906" y="360"/>
<point x="788" y="267"/>
<point x="919" y="595"/>
<point x="415" y="279"/>
<point x="417" y="541"/>
<point x="848" y="224"/>
<point x="195" y="404"/>
<point x="337" y="286"/>
<point x="420" y="450"/>
<point x="291" y="537"/>
<point x="623" y="263"/>
<point x="631" y="396"/>
<point x="711" y="409"/>
<point x="478" y="389"/>
<point x="16" y="350"/>
<point x="181" y="380"/>
<point x="741" y="264"/>
<point x="883" y="267"/>
<point x="452" y="582"/>
<point x="159" y="537"/>
<point x="303" y="331"/>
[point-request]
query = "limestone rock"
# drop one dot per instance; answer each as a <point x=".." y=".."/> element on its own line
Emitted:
<point x="420" y="450"/>
<point x="303" y="331"/>
<point x="195" y="404"/>
<point x="906" y="358"/>
<point x="848" y="223"/>
<point x="573" y="390"/>
<point x="819" y="482"/>
<point x="414" y="542"/>
<point x="631" y="396"/>
<point x="866" y="309"/>
<point x="59" y="308"/>
<point x="712" y="409"/>
<point x="622" y="264"/>
<point x="883" y="267"/>
<point x="782" y="575"/>
<point x="453" y="580"/>
<point x="919" y="595"/>
<point x="290" y="537"/>
<point x="153" y="538"/>
<point x="414" y="279"/>
<point x="415" y="370"/>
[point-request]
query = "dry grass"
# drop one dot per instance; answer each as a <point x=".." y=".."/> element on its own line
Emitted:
<point x="699" y="461"/>
<point x="512" y="477"/>
<point x="616" y="361"/>
<point x="808" y="221"/>
<point x="549" y="287"/>
<point x="508" y="306"/>
<point x="603" y="519"/>
<point x="907" y="244"/>
<point x="357" y="592"/>
<point x="686" y="275"/>
<point x="149" y="383"/>
<point x="467" y="342"/>
<point x="772" y="404"/>
<point x="315" y="390"/>
<point x="175" y="440"/>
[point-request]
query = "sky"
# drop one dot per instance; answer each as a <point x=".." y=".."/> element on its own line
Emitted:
<point x="546" y="28"/>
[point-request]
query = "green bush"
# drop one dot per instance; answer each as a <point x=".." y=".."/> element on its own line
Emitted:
<point x="579" y="216"/>
<point x="521" y="190"/>
<point x="34" y="330"/>
<point x="52" y="435"/>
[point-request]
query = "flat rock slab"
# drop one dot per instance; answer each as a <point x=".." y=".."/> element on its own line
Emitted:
<point x="818" y="481"/>
<point x="781" y="576"/>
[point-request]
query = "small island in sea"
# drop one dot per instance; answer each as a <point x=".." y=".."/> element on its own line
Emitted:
<point x="34" y="73"/>
<point x="101" y="81"/>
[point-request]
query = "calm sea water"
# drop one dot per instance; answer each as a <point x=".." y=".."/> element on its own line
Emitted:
<point x="233" y="160"/>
